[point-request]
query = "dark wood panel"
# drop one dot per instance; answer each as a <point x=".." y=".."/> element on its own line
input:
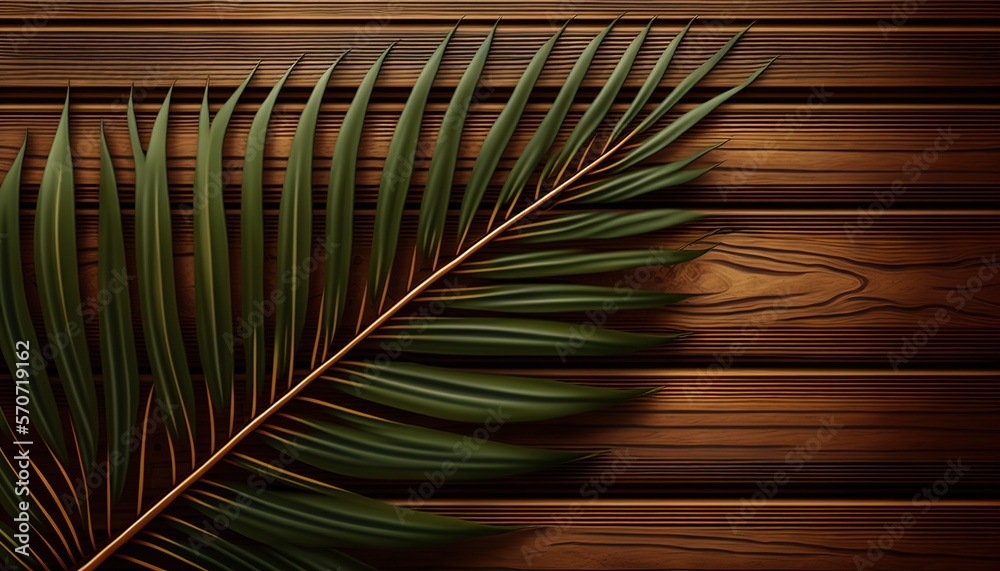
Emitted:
<point x="603" y="534"/>
<point x="360" y="11"/>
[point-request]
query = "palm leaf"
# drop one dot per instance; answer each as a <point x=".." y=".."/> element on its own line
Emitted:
<point x="212" y="287"/>
<point x="252" y="329"/>
<point x="470" y="396"/>
<point x="441" y="173"/>
<point x="372" y="448"/>
<point x="556" y="263"/>
<point x="58" y="278"/>
<point x="601" y="225"/>
<point x="598" y="110"/>
<point x="15" y="320"/>
<point x="485" y="302"/>
<point x="155" y="275"/>
<point x="340" y="205"/>
<point x="638" y="182"/>
<point x="555" y="297"/>
<point x="294" y="236"/>
<point x="650" y="84"/>
<point x="118" y="356"/>
<point x="548" y="129"/>
<point x="396" y="178"/>
<point x="503" y="336"/>
<point x="335" y="518"/>
<point x="678" y="127"/>
<point x="499" y="135"/>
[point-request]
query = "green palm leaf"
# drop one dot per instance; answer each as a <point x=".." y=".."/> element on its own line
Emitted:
<point x="651" y="83"/>
<point x="157" y="288"/>
<point x="252" y="330"/>
<point x="598" y="110"/>
<point x="601" y="225"/>
<point x="470" y="396"/>
<point x="294" y="236"/>
<point x="212" y="287"/>
<point x="547" y="130"/>
<point x="372" y="448"/>
<point x="555" y="297"/>
<point x="396" y="178"/>
<point x="15" y="320"/>
<point x="556" y="263"/>
<point x="504" y="336"/>
<point x="659" y="140"/>
<point x="58" y="278"/>
<point x="620" y="187"/>
<point x="499" y="135"/>
<point x="118" y="358"/>
<point x="340" y="204"/>
<point x="336" y="518"/>
<point x="441" y="173"/>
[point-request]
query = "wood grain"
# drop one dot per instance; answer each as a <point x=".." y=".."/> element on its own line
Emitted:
<point x="813" y="288"/>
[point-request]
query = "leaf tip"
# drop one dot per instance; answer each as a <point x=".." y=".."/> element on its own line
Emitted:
<point x="652" y="391"/>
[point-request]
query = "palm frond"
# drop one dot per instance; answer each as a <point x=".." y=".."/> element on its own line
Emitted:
<point x="512" y="275"/>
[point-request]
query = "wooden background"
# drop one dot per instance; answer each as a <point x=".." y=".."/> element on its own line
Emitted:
<point x="808" y="298"/>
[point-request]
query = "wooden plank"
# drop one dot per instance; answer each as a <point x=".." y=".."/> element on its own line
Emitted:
<point x="393" y="10"/>
<point x="789" y="286"/>
<point x="149" y="55"/>
<point x="591" y="534"/>
<point x="843" y="154"/>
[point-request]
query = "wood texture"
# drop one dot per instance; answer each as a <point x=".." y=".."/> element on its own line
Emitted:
<point x="812" y="294"/>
